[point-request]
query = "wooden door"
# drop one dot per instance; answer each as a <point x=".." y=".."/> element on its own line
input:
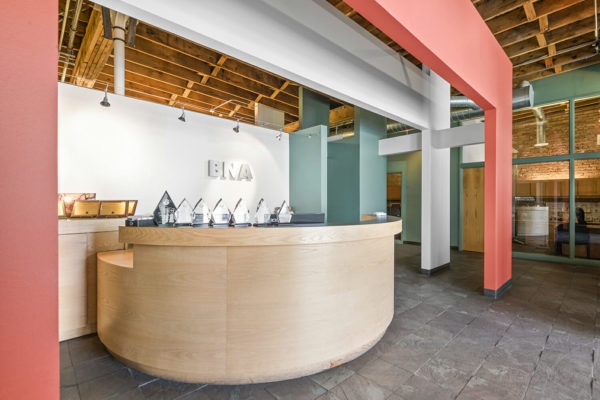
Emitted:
<point x="472" y="209"/>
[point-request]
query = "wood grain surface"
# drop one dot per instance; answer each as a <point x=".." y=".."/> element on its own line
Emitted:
<point x="242" y="314"/>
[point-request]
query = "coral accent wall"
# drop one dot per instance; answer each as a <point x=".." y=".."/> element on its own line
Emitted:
<point x="467" y="56"/>
<point x="29" y="362"/>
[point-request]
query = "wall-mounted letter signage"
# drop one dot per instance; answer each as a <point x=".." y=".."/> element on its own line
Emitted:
<point x="230" y="170"/>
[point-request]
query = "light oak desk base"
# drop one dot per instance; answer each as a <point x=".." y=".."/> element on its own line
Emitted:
<point x="250" y="305"/>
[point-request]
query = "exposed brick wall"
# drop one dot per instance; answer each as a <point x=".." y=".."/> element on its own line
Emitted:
<point x="557" y="134"/>
<point x="587" y="129"/>
<point x="587" y="126"/>
<point x="541" y="172"/>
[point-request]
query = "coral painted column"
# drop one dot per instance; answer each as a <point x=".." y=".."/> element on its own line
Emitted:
<point x="467" y="55"/>
<point x="29" y="361"/>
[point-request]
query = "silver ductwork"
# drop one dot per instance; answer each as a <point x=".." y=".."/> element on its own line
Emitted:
<point x="522" y="98"/>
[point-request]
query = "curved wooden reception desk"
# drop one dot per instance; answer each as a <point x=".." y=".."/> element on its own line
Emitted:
<point x="246" y="305"/>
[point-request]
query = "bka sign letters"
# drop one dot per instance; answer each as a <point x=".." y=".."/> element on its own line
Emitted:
<point x="230" y="170"/>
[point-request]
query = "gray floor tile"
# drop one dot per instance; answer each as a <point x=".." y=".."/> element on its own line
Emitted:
<point x="296" y="389"/>
<point x="332" y="377"/>
<point x="385" y="374"/>
<point x="85" y="349"/>
<point x="358" y="388"/>
<point x="443" y="374"/>
<point x="69" y="393"/>
<point x="418" y="388"/>
<point x="96" y="368"/>
<point x="540" y="341"/>
<point x="118" y="382"/>
<point x="479" y="388"/>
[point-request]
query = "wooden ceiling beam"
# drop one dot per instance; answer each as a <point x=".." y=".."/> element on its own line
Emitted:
<point x="93" y="53"/>
<point x="291" y="127"/>
<point x="164" y="90"/>
<point x="580" y="12"/>
<point x="493" y="8"/>
<point x="552" y="37"/>
<point x="341" y="114"/>
<point x="144" y="65"/>
<point x="176" y="61"/>
<point x="559" y="60"/>
<point x="165" y="39"/>
<point x="560" y="69"/>
<point x="518" y="16"/>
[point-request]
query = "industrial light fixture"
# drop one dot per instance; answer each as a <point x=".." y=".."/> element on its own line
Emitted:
<point x="540" y="127"/>
<point x="236" y="128"/>
<point x="104" y="102"/>
<point x="182" y="116"/>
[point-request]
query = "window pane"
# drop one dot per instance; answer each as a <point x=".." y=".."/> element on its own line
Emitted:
<point x="541" y="208"/>
<point x="541" y="131"/>
<point x="587" y="208"/>
<point x="587" y="125"/>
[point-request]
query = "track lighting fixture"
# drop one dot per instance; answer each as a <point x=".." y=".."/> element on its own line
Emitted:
<point x="236" y="128"/>
<point x="104" y="102"/>
<point x="182" y="116"/>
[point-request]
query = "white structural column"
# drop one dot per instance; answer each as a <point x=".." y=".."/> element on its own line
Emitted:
<point x="119" y="52"/>
<point x="435" y="175"/>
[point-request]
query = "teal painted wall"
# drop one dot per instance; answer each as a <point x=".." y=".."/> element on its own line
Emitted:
<point x="356" y="174"/>
<point x="308" y="170"/>
<point x="410" y="165"/>
<point x="313" y="109"/>
<point x="578" y="83"/>
<point x="454" y="196"/>
<point x="343" y="186"/>
<point x="371" y="128"/>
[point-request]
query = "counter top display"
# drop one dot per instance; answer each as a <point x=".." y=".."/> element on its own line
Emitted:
<point x="246" y="305"/>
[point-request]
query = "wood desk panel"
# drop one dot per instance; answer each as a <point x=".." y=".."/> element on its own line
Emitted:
<point x="239" y="314"/>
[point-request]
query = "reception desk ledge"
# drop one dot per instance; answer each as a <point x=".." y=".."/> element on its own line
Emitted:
<point x="234" y="306"/>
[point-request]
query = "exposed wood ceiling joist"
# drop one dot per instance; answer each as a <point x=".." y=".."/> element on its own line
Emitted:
<point x="536" y="32"/>
<point x="168" y="69"/>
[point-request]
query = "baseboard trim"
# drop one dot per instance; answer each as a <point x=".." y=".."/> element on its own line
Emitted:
<point x="496" y="294"/>
<point x="435" y="270"/>
<point x="413" y="243"/>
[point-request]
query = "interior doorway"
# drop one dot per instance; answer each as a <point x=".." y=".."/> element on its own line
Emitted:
<point x="472" y="209"/>
<point x="394" y="196"/>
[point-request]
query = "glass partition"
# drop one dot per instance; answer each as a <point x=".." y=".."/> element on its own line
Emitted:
<point x="541" y="131"/>
<point x="541" y="208"/>
<point x="587" y="125"/>
<point x="587" y="208"/>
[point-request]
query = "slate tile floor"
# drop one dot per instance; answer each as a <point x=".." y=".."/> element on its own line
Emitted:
<point x="447" y="341"/>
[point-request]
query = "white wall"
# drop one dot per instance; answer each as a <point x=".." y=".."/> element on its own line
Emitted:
<point x="137" y="150"/>
<point x="473" y="153"/>
<point x="435" y="182"/>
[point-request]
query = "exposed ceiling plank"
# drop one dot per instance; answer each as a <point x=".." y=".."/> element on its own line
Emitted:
<point x="174" y="42"/>
<point x="147" y="66"/>
<point x="341" y="114"/>
<point x="493" y="8"/>
<point x="93" y="53"/>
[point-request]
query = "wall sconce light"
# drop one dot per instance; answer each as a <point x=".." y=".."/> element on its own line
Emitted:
<point x="182" y="116"/>
<point x="236" y="128"/>
<point x="104" y="102"/>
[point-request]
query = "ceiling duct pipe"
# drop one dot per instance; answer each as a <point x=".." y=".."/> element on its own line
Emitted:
<point x="119" y="52"/>
<point x="399" y="128"/>
<point x="522" y="98"/>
